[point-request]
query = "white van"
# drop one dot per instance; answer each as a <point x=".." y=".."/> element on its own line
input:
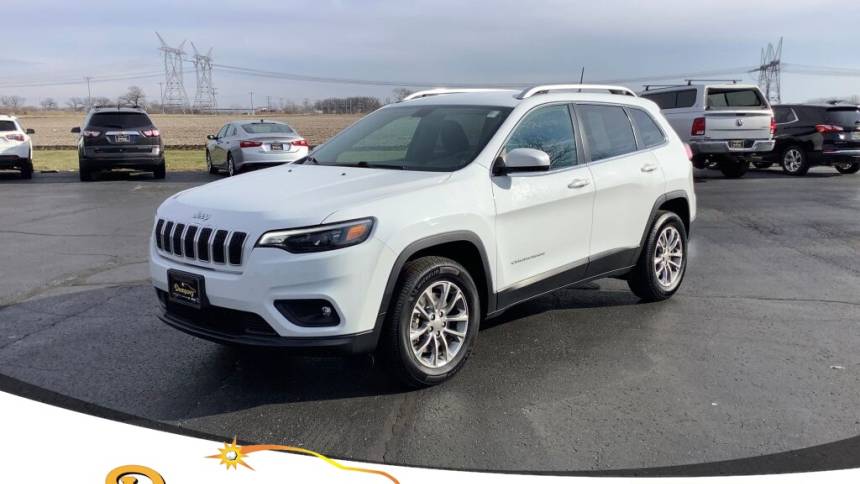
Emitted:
<point x="726" y="125"/>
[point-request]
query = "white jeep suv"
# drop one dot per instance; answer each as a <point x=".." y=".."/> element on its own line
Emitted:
<point x="406" y="230"/>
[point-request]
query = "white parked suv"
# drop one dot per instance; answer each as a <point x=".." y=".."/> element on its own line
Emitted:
<point x="726" y="125"/>
<point x="16" y="147"/>
<point x="406" y="230"/>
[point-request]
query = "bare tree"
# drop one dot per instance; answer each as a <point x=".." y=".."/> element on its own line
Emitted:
<point x="12" y="102"/>
<point x="76" y="103"/>
<point x="134" y="96"/>
<point x="102" y="101"/>
<point x="48" y="104"/>
<point x="400" y="93"/>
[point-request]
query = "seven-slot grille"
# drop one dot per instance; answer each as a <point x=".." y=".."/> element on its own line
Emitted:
<point x="200" y="243"/>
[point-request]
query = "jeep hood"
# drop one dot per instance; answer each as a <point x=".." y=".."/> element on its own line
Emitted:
<point x="293" y="195"/>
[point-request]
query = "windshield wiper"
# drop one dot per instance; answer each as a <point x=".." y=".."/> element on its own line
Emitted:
<point x="365" y="164"/>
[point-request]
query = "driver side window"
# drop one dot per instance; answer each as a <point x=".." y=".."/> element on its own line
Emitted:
<point x="550" y="130"/>
<point x="222" y="132"/>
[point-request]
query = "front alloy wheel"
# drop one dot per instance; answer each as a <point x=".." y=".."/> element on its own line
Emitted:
<point x="432" y="322"/>
<point x="440" y="321"/>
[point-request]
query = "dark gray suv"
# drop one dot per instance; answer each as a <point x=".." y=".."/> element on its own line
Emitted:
<point x="119" y="137"/>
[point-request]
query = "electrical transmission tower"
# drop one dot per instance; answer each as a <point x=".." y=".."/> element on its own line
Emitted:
<point x="204" y="99"/>
<point x="175" y="97"/>
<point x="769" y="72"/>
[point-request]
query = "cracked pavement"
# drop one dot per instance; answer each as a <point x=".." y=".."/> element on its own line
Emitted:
<point x="755" y="355"/>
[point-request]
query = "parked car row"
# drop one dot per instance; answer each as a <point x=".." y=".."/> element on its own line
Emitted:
<point x="730" y="126"/>
<point x="119" y="137"/>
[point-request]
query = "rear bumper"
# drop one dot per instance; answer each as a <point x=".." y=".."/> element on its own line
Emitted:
<point x="722" y="147"/>
<point x="135" y="160"/>
<point x="13" y="162"/>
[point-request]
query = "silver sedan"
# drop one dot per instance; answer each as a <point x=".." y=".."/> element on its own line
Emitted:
<point x="241" y="145"/>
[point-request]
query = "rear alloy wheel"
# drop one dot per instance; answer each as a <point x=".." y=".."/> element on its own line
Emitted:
<point x="433" y="321"/>
<point x="848" y="168"/>
<point x="231" y="167"/>
<point x="733" y="167"/>
<point x="663" y="261"/>
<point x="794" y="161"/>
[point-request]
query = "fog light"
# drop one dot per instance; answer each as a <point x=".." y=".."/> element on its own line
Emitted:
<point x="308" y="312"/>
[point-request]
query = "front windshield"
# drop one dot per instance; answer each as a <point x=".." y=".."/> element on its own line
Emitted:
<point x="424" y="138"/>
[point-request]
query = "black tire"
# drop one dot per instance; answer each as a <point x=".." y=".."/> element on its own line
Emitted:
<point x="160" y="171"/>
<point x="27" y="170"/>
<point x="209" y="165"/>
<point x="700" y="162"/>
<point x="643" y="281"/>
<point x="762" y="165"/>
<point x="790" y="168"/>
<point x="395" y="343"/>
<point x="86" y="175"/>
<point x="733" y="167"/>
<point x="848" y="169"/>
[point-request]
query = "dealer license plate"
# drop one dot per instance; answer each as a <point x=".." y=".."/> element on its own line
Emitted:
<point x="185" y="288"/>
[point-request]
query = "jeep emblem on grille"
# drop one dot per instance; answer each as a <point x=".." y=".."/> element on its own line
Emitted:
<point x="201" y="216"/>
<point x="739" y="122"/>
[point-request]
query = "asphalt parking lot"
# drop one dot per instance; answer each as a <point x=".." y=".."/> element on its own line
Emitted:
<point x="756" y="354"/>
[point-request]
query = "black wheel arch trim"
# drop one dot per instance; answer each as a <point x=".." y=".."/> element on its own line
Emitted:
<point x="669" y="196"/>
<point x="427" y="243"/>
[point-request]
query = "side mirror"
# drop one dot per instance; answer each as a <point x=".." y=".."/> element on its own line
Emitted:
<point x="76" y="129"/>
<point x="30" y="131"/>
<point x="522" y="159"/>
<point x="211" y="136"/>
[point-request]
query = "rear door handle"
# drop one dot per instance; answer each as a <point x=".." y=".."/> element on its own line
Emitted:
<point x="579" y="183"/>
<point x="648" y="167"/>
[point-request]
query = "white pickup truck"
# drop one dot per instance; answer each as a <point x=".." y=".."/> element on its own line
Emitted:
<point x="726" y="125"/>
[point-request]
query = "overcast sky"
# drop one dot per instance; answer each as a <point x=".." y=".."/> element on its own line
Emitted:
<point x="442" y="41"/>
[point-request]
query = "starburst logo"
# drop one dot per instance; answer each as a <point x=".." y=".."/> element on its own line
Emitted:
<point x="233" y="455"/>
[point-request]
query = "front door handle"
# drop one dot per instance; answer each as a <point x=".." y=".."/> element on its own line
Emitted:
<point x="648" y="167"/>
<point x="579" y="183"/>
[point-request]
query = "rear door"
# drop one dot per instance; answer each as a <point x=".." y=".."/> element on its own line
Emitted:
<point x="628" y="180"/>
<point x="736" y="113"/>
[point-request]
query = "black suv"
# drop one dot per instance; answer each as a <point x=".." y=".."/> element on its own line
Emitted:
<point x="119" y="137"/>
<point x="816" y="134"/>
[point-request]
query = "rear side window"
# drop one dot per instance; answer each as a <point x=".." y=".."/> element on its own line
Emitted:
<point x="784" y="115"/>
<point x="686" y="98"/>
<point x="7" y="125"/>
<point x="550" y="130"/>
<point x="666" y="100"/>
<point x="608" y="131"/>
<point x="649" y="132"/>
<point x="267" y="128"/>
<point x="120" y="120"/>
<point x="735" y="98"/>
<point x="845" y="117"/>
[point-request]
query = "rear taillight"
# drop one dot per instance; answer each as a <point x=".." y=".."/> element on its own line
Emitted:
<point x="698" y="127"/>
<point x="299" y="142"/>
<point x="151" y="133"/>
<point x="772" y="126"/>
<point x="90" y="133"/>
<point x="828" y="128"/>
<point x="689" y="151"/>
<point x="250" y="144"/>
<point x="15" y="137"/>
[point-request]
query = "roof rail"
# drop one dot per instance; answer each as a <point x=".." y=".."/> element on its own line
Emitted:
<point x="444" y="90"/>
<point x="691" y="81"/>
<point x="648" y="87"/>
<point x="545" y="88"/>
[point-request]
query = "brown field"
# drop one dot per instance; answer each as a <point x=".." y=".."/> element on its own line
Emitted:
<point x="52" y="129"/>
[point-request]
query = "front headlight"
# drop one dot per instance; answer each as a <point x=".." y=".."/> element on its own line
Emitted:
<point x="320" y="238"/>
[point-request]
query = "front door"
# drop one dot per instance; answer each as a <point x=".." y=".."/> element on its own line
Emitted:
<point x="543" y="219"/>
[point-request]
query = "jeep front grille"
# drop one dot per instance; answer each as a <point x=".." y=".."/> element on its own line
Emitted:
<point x="197" y="243"/>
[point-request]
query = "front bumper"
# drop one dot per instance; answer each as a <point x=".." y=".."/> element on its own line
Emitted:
<point x="722" y="147"/>
<point x="352" y="280"/>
